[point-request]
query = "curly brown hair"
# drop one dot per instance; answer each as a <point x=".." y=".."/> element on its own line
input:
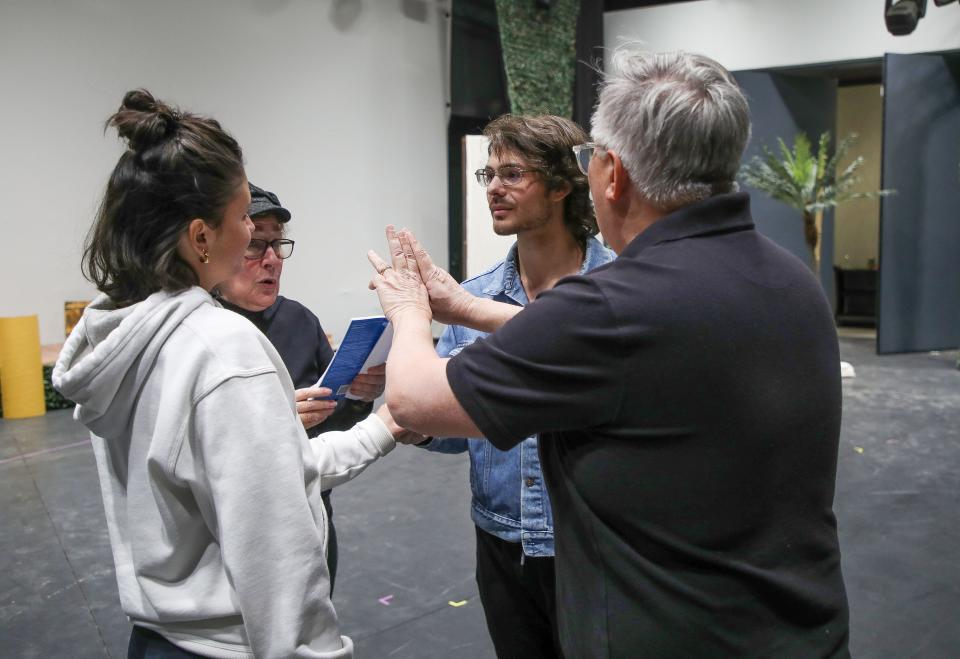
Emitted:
<point x="545" y="142"/>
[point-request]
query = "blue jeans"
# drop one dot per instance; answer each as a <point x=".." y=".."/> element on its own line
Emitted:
<point x="148" y="644"/>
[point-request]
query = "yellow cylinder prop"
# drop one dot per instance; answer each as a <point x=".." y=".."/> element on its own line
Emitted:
<point x="21" y="372"/>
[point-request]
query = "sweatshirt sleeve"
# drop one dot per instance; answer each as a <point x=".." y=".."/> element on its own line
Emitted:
<point x="343" y="454"/>
<point x="253" y="453"/>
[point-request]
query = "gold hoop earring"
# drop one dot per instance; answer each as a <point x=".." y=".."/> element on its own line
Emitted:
<point x="205" y="257"/>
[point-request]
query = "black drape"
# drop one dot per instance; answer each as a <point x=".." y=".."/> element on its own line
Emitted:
<point x="589" y="58"/>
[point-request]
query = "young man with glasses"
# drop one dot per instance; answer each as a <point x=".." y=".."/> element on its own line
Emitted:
<point x="536" y="193"/>
<point x="295" y="332"/>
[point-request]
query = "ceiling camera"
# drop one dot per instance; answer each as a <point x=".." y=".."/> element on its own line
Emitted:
<point x="902" y="15"/>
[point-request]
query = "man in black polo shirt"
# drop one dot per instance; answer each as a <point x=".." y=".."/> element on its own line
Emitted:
<point x="692" y="388"/>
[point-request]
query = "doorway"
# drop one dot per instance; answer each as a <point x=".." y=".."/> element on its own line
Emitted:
<point x="892" y="264"/>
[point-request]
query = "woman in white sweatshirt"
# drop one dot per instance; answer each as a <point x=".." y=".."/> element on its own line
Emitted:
<point x="210" y="485"/>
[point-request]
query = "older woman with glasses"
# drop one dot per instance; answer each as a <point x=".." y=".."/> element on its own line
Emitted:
<point x="295" y="332"/>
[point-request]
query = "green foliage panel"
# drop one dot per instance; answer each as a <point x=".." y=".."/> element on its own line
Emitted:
<point x="539" y="55"/>
<point x="53" y="398"/>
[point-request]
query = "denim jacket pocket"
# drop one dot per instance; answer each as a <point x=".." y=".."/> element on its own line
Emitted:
<point x="495" y="480"/>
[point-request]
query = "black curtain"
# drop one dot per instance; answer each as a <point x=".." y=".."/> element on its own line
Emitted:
<point x="478" y="93"/>
<point x="589" y="59"/>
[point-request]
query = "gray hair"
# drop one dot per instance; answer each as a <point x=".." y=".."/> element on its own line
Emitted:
<point x="678" y="121"/>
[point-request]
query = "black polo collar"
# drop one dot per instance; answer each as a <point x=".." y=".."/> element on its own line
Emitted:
<point x="718" y="214"/>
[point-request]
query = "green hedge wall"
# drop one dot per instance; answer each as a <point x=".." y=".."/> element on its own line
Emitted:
<point x="539" y="55"/>
<point x="53" y="398"/>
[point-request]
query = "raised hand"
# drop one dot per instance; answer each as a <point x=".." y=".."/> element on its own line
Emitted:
<point x="398" y="286"/>
<point x="449" y="301"/>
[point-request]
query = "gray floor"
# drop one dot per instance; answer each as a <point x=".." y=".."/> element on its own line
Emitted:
<point x="404" y="532"/>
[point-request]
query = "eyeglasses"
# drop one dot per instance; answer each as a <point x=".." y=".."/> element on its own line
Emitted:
<point x="584" y="152"/>
<point x="257" y="248"/>
<point x="509" y="175"/>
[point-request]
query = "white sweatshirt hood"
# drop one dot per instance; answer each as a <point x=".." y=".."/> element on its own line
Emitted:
<point x="111" y="351"/>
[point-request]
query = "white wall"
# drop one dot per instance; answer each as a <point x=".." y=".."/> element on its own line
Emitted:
<point x="341" y="115"/>
<point x="759" y="34"/>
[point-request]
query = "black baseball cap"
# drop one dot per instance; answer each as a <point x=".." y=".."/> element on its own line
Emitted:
<point x="263" y="202"/>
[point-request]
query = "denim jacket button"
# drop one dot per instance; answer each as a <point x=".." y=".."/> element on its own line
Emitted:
<point x="531" y="482"/>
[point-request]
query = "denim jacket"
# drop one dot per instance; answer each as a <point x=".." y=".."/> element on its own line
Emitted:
<point x="509" y="496"/>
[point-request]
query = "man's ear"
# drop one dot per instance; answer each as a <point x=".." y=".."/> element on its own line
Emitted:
<point x="561" y="192"/>
<point x="619" y="183"/>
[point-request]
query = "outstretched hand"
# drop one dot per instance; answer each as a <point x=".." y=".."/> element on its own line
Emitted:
<point x="449" y="301"/>
<point x="398" y="285"/>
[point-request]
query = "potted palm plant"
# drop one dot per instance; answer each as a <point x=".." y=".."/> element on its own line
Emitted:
<point x="808" y="181"/>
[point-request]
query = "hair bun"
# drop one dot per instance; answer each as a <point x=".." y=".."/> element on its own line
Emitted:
<point x="143" y="121"/>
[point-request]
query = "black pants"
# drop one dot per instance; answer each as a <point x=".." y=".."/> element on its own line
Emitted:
<point x="148" y="644"/>
<point x="518" y="599"/>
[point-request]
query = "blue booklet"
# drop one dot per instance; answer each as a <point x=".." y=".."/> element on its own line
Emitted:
<point x="366" y="343"/>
